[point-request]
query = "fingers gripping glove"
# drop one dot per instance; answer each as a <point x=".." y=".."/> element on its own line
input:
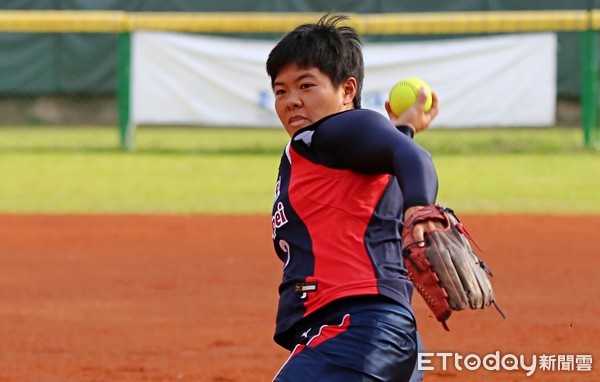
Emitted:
<point x="444" y="269"/>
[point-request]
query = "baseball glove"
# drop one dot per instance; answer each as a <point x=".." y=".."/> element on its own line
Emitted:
<point x="443" y="268"/>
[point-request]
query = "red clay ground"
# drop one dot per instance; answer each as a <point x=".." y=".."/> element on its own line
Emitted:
<point x="192" y="298"/>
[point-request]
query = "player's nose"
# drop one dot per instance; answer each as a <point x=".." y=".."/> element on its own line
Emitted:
<point x="293" y="100"/>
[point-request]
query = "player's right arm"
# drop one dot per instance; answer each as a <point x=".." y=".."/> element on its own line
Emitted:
<point x="365" y="141"/>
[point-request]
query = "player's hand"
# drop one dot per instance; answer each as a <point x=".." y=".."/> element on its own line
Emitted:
<point x="422" y="229"/>
<point x="415" y="117"/>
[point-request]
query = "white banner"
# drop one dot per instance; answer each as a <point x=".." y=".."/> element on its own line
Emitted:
<point x="505" y="80"/>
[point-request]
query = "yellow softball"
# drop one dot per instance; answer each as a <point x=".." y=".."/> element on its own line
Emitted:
<point x="404" y="94"/>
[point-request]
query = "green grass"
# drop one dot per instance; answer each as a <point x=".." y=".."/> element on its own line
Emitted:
<point x="113" y="182"/>
<point x="151" y="140"/>
<point x="200" y="170"/>
<point x="503" y="140"/>
<point x="507" y="183"/>
<point x="188" y="140"/>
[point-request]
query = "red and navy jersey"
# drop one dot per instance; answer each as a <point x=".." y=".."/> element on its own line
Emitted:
<point x="342" y="187"/>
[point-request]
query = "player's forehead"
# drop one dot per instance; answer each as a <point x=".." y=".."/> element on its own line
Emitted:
<point x="294" y="73"/>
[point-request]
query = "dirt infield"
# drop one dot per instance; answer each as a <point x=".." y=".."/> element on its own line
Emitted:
<point x="192" y="298"/>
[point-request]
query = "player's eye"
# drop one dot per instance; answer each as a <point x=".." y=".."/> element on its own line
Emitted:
<point x="306" y="85"/>
<point x="279" y="91"/>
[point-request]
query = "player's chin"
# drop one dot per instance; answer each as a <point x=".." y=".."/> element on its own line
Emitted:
<point x="291" y="131"/>
<point x="292" y="128"/>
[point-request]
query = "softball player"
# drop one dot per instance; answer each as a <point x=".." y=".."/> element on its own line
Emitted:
<point x="346" y="179"/>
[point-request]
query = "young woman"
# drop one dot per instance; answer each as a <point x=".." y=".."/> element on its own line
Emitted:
<point x="347" y="179"/>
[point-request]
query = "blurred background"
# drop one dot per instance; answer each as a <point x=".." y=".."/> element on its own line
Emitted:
<point x="98" y="112"/>
<point x="138" y="160"/>
<point x="67" y="81"/>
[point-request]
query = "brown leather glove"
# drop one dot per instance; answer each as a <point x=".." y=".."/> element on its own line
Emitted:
<point x="444" y="269"/>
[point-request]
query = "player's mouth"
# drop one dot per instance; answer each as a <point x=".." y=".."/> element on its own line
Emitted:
<point x="297" y="121"/>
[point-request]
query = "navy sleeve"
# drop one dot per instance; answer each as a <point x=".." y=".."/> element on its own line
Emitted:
<point x="406" y="131"/>
<point x="365" y="141"/>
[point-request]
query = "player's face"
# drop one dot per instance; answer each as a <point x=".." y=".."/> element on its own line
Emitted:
<point x="305" y="95"/>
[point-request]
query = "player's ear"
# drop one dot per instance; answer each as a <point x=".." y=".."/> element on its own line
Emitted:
<point x="349" y="87"/>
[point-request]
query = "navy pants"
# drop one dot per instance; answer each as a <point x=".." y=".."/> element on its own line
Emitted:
<point x="367" y="341"/>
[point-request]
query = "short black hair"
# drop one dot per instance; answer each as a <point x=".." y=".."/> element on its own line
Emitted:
<point x="335" y="50"/>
